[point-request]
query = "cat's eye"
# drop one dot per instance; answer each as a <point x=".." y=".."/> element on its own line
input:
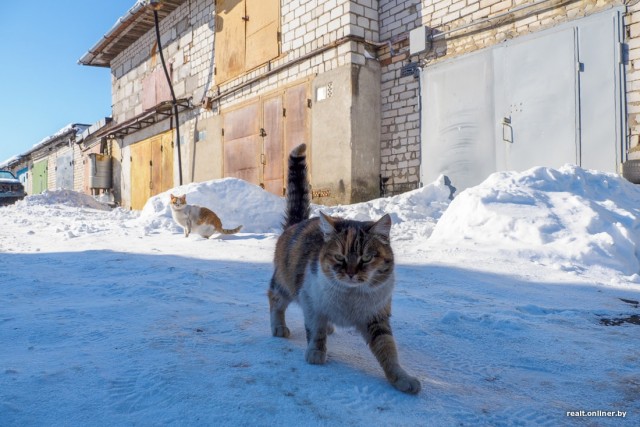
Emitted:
<point x="339" y="257"/>
<point x="366" y="258"/>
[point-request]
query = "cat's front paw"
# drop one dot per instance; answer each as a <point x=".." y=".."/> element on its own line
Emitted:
<point x="315" y="357"/>
<point x="407" y="384"/>
<point x="281" y="331"/>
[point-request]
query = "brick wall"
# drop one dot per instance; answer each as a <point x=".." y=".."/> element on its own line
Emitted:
<point x="188" y="42"/>
<point x="310" y="25"/>
<point x="632" y="21"/>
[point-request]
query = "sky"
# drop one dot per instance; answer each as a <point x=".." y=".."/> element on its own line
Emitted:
<point x="42" y="86"/>
<point x="515" y="304"/>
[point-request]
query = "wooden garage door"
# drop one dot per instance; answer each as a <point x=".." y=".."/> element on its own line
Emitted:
<point x="243" y="144"/>
<point x="151" y="168"/>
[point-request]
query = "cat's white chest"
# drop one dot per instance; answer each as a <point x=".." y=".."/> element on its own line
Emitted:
<point x="344" y="305"/>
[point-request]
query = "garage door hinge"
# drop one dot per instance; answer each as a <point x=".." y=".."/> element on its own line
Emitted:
<point x="308" y="102"/>
<point x="263" y="133"/>
<point x="222" y="131"/>
<point x="263" y="159"/>
<point x="580" y="67"/>
<point x="622" y="53"/>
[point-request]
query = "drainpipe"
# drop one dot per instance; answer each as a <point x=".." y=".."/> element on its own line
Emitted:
<point x="156" y="5"/>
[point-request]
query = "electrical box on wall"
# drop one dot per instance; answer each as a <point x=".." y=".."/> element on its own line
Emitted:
<point x="419" y="40"/>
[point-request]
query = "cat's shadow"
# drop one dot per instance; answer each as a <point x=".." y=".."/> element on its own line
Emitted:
<point x="243" y="236"/>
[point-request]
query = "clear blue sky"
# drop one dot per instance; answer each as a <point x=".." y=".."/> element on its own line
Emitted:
<point x="42" y="86"/>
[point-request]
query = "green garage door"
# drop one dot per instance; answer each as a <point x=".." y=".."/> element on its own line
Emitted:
<point x="39" y="176"/>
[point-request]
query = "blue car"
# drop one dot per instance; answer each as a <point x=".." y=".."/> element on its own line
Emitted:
<point x="11" y="190"/>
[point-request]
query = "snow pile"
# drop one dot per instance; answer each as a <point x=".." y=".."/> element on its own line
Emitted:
<point x="414" y="214"/>
<point x="569" y="218"/>
<point x="102" y="321"/>
<point x="236" y="202"/>
<point x="64" y="197"/>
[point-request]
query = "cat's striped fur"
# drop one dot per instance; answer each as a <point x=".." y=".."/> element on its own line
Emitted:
<point x="340" y="272"/>
<point x="197" y="218"/>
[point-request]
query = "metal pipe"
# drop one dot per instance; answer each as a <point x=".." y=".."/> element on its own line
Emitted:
<point x="173" y="95"/>
<point x="491" y="18"/>
<point x="304" y="57"/>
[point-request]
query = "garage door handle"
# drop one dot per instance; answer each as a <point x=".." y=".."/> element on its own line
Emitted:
<point x="507" y="130"/>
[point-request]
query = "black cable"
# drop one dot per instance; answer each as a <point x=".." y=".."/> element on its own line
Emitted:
<point x="173" y="95"/>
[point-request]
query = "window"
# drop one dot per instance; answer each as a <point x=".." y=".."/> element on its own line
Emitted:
<point x="247" y="35"/>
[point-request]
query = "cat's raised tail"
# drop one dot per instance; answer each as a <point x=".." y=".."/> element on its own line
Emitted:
<point x="298" y="194"/>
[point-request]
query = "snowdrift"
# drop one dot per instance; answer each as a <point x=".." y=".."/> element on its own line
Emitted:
<point x="63" y="197"/>
<point x="414" y="214"/>
<point x="569" y="218"/>
<point x="235" y="201"/>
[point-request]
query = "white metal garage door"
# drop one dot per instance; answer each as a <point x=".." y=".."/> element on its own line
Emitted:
<point x="540" y="100"/>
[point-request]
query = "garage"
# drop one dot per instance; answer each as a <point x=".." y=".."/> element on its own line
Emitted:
<point x="544" y="99"/>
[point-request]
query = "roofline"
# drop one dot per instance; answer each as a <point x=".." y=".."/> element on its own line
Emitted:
<point x="124" y="21"/>
<point x="129" y="28"/>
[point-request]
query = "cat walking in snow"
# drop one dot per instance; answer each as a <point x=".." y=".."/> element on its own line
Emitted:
<point x="341" y="272"/>
<point x="198" y="219"/>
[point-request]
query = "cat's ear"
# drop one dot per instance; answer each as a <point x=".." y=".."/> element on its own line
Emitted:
<point x="382" y="227"/>
<point x="327" y="225"/>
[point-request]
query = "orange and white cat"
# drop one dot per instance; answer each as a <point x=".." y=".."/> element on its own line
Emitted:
<point x="197" y="218"/>
<point x="341" y="272"/>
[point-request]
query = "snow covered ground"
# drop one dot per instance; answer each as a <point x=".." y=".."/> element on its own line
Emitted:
<point x="110" y="317"/>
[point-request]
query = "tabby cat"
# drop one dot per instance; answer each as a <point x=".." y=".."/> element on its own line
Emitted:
<point x="197" y="218"/>
<point x="340" y="272"/>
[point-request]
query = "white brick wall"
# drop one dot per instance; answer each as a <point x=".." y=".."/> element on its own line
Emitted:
<point x="188" y="41"/>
